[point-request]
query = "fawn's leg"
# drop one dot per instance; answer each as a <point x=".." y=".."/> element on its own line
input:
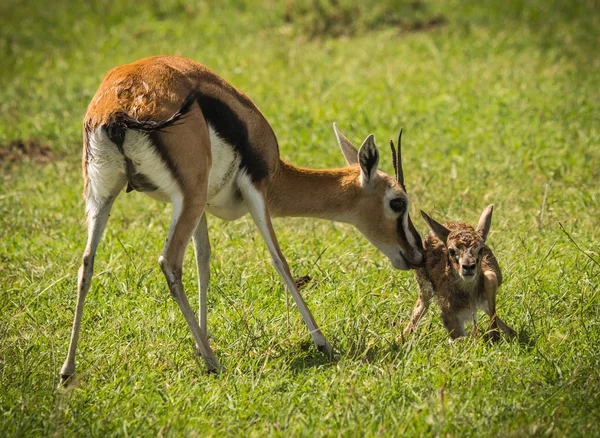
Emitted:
<point x="490" y="285"/>
<point x="422" y="304"/>
<point x="454" y="325"/>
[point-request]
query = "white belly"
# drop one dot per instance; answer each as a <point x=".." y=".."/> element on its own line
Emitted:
<point x="224" y="198"/>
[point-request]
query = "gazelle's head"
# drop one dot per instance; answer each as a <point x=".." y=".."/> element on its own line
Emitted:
<point x="381" y="210"/>
<point x="464" y="244"/>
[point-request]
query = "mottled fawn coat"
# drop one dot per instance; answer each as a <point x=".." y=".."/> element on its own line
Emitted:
<point x="461" y="270"/>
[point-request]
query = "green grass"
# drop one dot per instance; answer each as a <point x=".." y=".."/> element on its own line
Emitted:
<point x="497" y="103"/>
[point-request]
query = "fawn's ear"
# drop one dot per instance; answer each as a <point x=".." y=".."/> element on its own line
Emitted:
<point x="438" y="229"/>
<point x="350" y="152"/>
<point x="485" y="222"/>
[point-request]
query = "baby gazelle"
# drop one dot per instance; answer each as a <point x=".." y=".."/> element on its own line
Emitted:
<point x="462" y="272"/>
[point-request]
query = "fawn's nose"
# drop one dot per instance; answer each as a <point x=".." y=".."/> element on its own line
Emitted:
<point x="469" y="269"/>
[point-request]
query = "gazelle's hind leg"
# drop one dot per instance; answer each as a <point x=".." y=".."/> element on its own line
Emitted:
<point x="186" y="216"/>
<point x="106" y="178"/>
<point x="96" y="225"/>
<point x="202" y="253"/>
<point x="186" y="182"/>
<point x="255" y="201"/>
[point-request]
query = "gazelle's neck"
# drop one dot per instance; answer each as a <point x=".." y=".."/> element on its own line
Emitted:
<point x="324" y="194"/>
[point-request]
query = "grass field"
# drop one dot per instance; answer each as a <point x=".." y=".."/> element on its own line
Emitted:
<point x="500" y="103"/>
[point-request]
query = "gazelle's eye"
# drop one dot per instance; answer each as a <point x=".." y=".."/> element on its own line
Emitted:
<point x="398" y="205"/>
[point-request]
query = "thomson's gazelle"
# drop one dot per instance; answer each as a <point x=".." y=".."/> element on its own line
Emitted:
<point x="171" y="128"/>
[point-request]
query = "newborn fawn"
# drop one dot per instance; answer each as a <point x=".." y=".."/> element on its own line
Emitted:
<point x="462" y="272"/>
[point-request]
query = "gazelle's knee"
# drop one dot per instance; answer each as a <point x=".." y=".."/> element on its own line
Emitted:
<point x="171" y="273"/>
<point x="86" y="271"/>
<point x="167" y="270"/>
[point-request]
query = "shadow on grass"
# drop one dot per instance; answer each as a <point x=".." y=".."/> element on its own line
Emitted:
<point x="526" y="339"/>
<point x="310" y="357"/>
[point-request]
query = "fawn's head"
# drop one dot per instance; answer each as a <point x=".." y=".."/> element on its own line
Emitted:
<point x="463" y="243"/>
<point x="381" y="205"/>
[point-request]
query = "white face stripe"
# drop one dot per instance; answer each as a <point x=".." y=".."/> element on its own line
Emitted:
<point x="390" y="194"/>
<point x="409" y="235"/>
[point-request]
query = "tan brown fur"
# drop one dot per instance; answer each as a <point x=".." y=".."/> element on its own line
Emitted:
<point x="337" y="190"/>
<point x="153" y="89"/>
<point x="173" y="129"/>
<point x="440" y="277"/>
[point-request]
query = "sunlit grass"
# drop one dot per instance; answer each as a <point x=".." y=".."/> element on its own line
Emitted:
<point x="497" y="104"/>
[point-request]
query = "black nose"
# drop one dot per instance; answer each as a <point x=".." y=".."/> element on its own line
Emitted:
<point x="469" y="268"/>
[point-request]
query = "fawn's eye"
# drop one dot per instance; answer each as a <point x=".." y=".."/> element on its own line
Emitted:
<point x="398" y="205"/>
<point x="452" y="252"/>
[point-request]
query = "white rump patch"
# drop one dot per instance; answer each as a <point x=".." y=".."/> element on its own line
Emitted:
<point x="105" y="169"/>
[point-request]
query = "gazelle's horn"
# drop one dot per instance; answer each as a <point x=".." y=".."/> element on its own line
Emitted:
<point x="397" y="158"/>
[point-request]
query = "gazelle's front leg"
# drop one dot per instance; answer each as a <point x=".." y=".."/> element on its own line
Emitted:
<point x="202" y="252"/>
<point x="254" y="199"/>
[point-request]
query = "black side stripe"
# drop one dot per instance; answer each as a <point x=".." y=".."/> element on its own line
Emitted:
<point x="217" y="113"/>
<point x="115" y="131"/>
<point x="235" y="132"/>
<point x="156" y="140"/>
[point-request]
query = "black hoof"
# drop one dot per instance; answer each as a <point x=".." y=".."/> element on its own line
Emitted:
<point x="329" y="352"/>
<point x="65" y="380"/>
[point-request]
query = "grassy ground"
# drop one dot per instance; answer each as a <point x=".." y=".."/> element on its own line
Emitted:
<point x="500" y="102"/>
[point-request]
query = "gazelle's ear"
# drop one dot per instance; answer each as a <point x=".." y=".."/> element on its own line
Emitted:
<point x="368" y="157"/>
<point x="348" y="149"/>
<point x="485" y="222"/>
<point x="438" y="229"/>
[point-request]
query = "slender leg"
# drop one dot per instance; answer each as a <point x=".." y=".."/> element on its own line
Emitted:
<point x="258" y="210"/>
<point x="98" y="213"/>
<point x="423" y="302"/>
<point x="186" y="217"/>
<point x="202" y="252"/>
<point x="490" y="285"/>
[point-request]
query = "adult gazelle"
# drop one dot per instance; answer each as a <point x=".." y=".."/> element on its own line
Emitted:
<point x="173" y="129"/>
